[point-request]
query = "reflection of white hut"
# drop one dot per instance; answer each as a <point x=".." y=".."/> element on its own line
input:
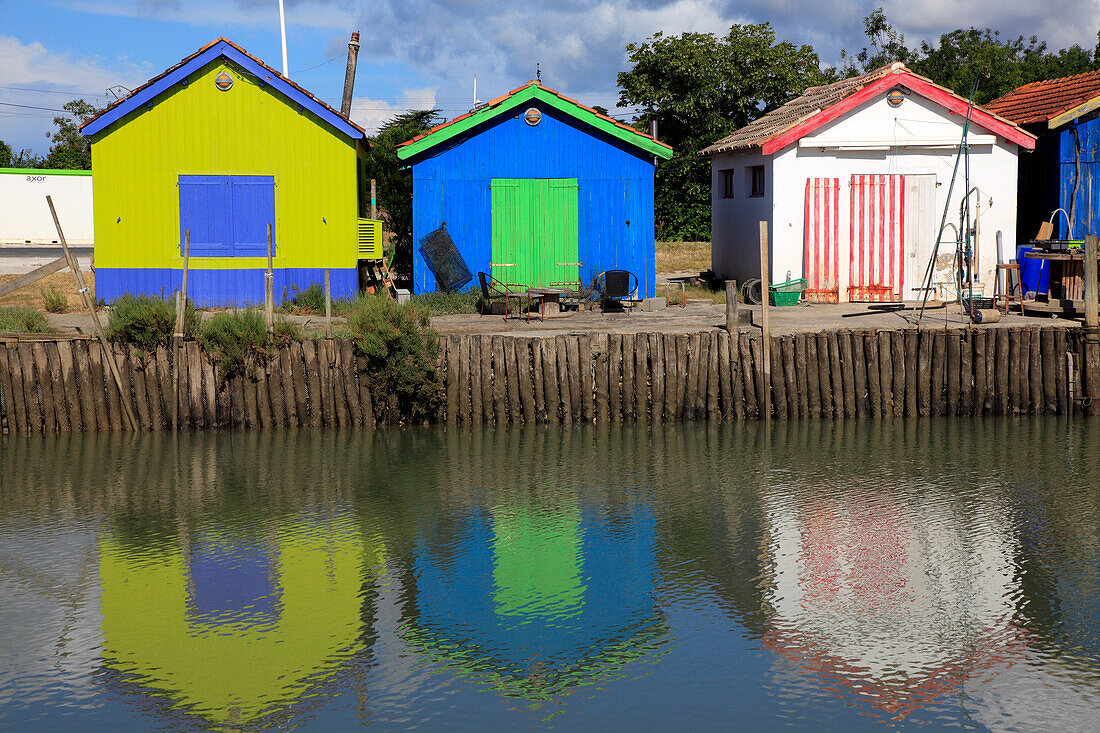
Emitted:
<point x="899" y="603"/>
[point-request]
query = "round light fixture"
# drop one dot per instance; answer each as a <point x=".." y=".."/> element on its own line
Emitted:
<point x="532" y="116"/>
<point x="895" y="98"/>
<point x="223" y="81"/>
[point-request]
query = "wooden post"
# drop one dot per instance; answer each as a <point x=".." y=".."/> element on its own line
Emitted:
<point x="269" y="285"/>
<point x="89" y="303"/>
<point x="177" y="338"/>
<point x="732" y="323"/>
<point x="764" y="324"/>
<point x="1092" y="326"/>
<point x="373" y="199"/>
<point x="328" y="304"/>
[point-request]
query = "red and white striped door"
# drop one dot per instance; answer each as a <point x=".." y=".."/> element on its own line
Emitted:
<point x="821" y="232"/>
<point x="877" y="269"/>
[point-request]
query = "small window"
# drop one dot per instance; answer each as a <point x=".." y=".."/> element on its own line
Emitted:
<point x="756" y="181"/>
<point x="727" y="184"/>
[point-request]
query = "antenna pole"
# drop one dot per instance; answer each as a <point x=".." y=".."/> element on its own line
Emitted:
<point x="282" y="34"/>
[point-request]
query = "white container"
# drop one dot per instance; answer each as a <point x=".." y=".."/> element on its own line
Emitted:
<point x="25" y="216"/>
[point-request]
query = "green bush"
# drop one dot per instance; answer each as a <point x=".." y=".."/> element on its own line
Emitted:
<point x="284" y="331"/>
<point x="401" y="350"/>
<point x="148" y="322"/>
<point x="236" y="340"/>
<point x="309" y="300"/>
<point x="441" y="303"/>
<point x="55" y="300"/>
<point x="17" y="319"/>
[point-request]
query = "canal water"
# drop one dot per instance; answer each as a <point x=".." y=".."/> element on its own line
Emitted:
<point x="824" y="575"/>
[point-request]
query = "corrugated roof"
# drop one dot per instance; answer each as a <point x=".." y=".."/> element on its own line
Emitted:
<point x="149" y="89"/>
<point x="816" y="100"/>
<point x="1040" y="101"/>
<point x="493" y="104"/>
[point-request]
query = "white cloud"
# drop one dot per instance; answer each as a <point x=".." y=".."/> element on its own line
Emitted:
<point x="58" y="77"/>
<point x="371" y="113"/>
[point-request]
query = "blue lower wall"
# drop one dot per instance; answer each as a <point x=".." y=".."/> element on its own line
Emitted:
<point x="219" y="288"/>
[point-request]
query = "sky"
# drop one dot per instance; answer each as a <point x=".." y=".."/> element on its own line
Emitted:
<point x="420" y="53"/>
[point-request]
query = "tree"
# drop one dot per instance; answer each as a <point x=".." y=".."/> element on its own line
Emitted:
<point x="395" y="180"/>
<point x="699" y="88"/>
<point x="959" y="57"/>
<point x="70" y="149"/>
<point x="5" y="155"/>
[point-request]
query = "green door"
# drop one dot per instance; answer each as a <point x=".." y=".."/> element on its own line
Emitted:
<point x="535" y="231"/>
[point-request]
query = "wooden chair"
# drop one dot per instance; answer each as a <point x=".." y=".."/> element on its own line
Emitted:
<point x="1006" y="296"/>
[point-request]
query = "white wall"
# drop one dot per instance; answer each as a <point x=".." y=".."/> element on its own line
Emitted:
<point x="24" y="215"/>
<point x="735" y="222"/>
<point x="993" y="169"/>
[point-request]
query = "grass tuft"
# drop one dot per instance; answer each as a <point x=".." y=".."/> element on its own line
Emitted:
<point x="441" y="303"/>
<point x="148" y="322"/>
<point x="19" y="319"/>
<point x="54" y="300"/>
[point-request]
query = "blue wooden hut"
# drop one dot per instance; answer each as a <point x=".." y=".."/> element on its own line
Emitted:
<point x="535" y="189"/>
<point x="1064" y="171"/>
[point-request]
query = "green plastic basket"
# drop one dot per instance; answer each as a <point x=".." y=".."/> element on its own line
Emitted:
<point x="787" y="293"/>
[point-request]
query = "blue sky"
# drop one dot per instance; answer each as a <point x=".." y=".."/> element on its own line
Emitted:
<point x="418" y="53"/>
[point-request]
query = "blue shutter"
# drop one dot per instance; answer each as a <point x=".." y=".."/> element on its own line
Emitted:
<point x="252" y="203"/>
<point x="227" y="215"/>
<point x="204" y="210"/>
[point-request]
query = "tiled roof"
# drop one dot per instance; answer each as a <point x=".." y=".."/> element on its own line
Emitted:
<point x="1040" y="101"/>
<point x="149" y="86"/>
<point x="505" y="97"/>
<point x="812" y="101"/>
<point x="816" y="100"/>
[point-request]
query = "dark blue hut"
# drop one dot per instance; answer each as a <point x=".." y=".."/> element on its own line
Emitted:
<point x="1064" y="171"/>
<point x="535" y="189"/>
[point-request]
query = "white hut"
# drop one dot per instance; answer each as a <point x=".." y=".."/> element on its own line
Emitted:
<point x="25" y="216"/>
<point x="853" y="179"/>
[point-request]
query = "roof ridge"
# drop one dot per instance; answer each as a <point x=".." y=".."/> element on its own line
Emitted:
<point x="203" y="49"/>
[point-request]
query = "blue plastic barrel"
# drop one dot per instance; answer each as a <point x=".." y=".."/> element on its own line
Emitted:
<point x="1033" y="273"/>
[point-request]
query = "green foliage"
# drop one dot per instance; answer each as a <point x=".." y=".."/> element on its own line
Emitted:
<point x="310" y="300"/>
<point x="70" y="149"/>
<point x="55" y="300"/>
<point x="6" y="155"/>
<point x="964" y="55"/>
<point x="700" y="88"/>
<point x="9" y="158"/>
<point x="236" y="340"/>
<point x="283" y="331"/>
<point x="395" y="181"/>
<point x="148" y="322"/>
<point x="401" y="350"/>
<point x="18" y="319"/>
<point x="442" y="303"/>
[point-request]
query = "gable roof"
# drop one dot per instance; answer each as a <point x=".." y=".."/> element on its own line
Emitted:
<point x="532" y="90"/>
<point x="1054" y="101"/>
<point x="222" y="47"/>
<point x="820" y="105"/>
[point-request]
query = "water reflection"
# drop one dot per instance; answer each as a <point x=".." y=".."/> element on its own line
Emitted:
<point x="800" y="574"/>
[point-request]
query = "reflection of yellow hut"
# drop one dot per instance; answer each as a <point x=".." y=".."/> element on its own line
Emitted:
<point x="231" y="628"/>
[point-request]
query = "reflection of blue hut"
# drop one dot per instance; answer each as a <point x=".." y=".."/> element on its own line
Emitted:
<point x="538" y="601"/>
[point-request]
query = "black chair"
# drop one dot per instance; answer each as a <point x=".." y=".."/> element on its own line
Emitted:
<point x="618" y="286"/>
<point x="491" y="290"/>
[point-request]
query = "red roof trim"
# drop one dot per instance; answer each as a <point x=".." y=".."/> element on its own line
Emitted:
<point x="937" y="94"/>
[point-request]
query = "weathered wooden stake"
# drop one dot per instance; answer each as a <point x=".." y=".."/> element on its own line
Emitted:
<point x="732" y="323"/>
<point x="269" y="285"/>
<point x="1092" y="327"/>
<point x="328" y="304"/>
<point x="764" y="324"/>
<point x="89" y="303"/>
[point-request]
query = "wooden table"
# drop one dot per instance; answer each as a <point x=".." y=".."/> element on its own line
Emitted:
<point x="550" y="305"/>
<point x="1066" y="291"/>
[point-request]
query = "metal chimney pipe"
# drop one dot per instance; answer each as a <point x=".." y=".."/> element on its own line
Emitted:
<point x="349" y="75"/>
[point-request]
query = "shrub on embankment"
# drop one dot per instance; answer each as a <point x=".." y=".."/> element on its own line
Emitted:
<point x="238" y="340"/>
<point x="18" y="319"/>
<point x="148" y="322"/>
<point x="401" y="350"/>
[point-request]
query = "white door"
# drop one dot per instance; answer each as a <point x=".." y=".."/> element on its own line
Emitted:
<point x="920" y="224"/>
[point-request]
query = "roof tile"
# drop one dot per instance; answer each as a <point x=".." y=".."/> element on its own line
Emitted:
<point x="1040" y="101"/>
